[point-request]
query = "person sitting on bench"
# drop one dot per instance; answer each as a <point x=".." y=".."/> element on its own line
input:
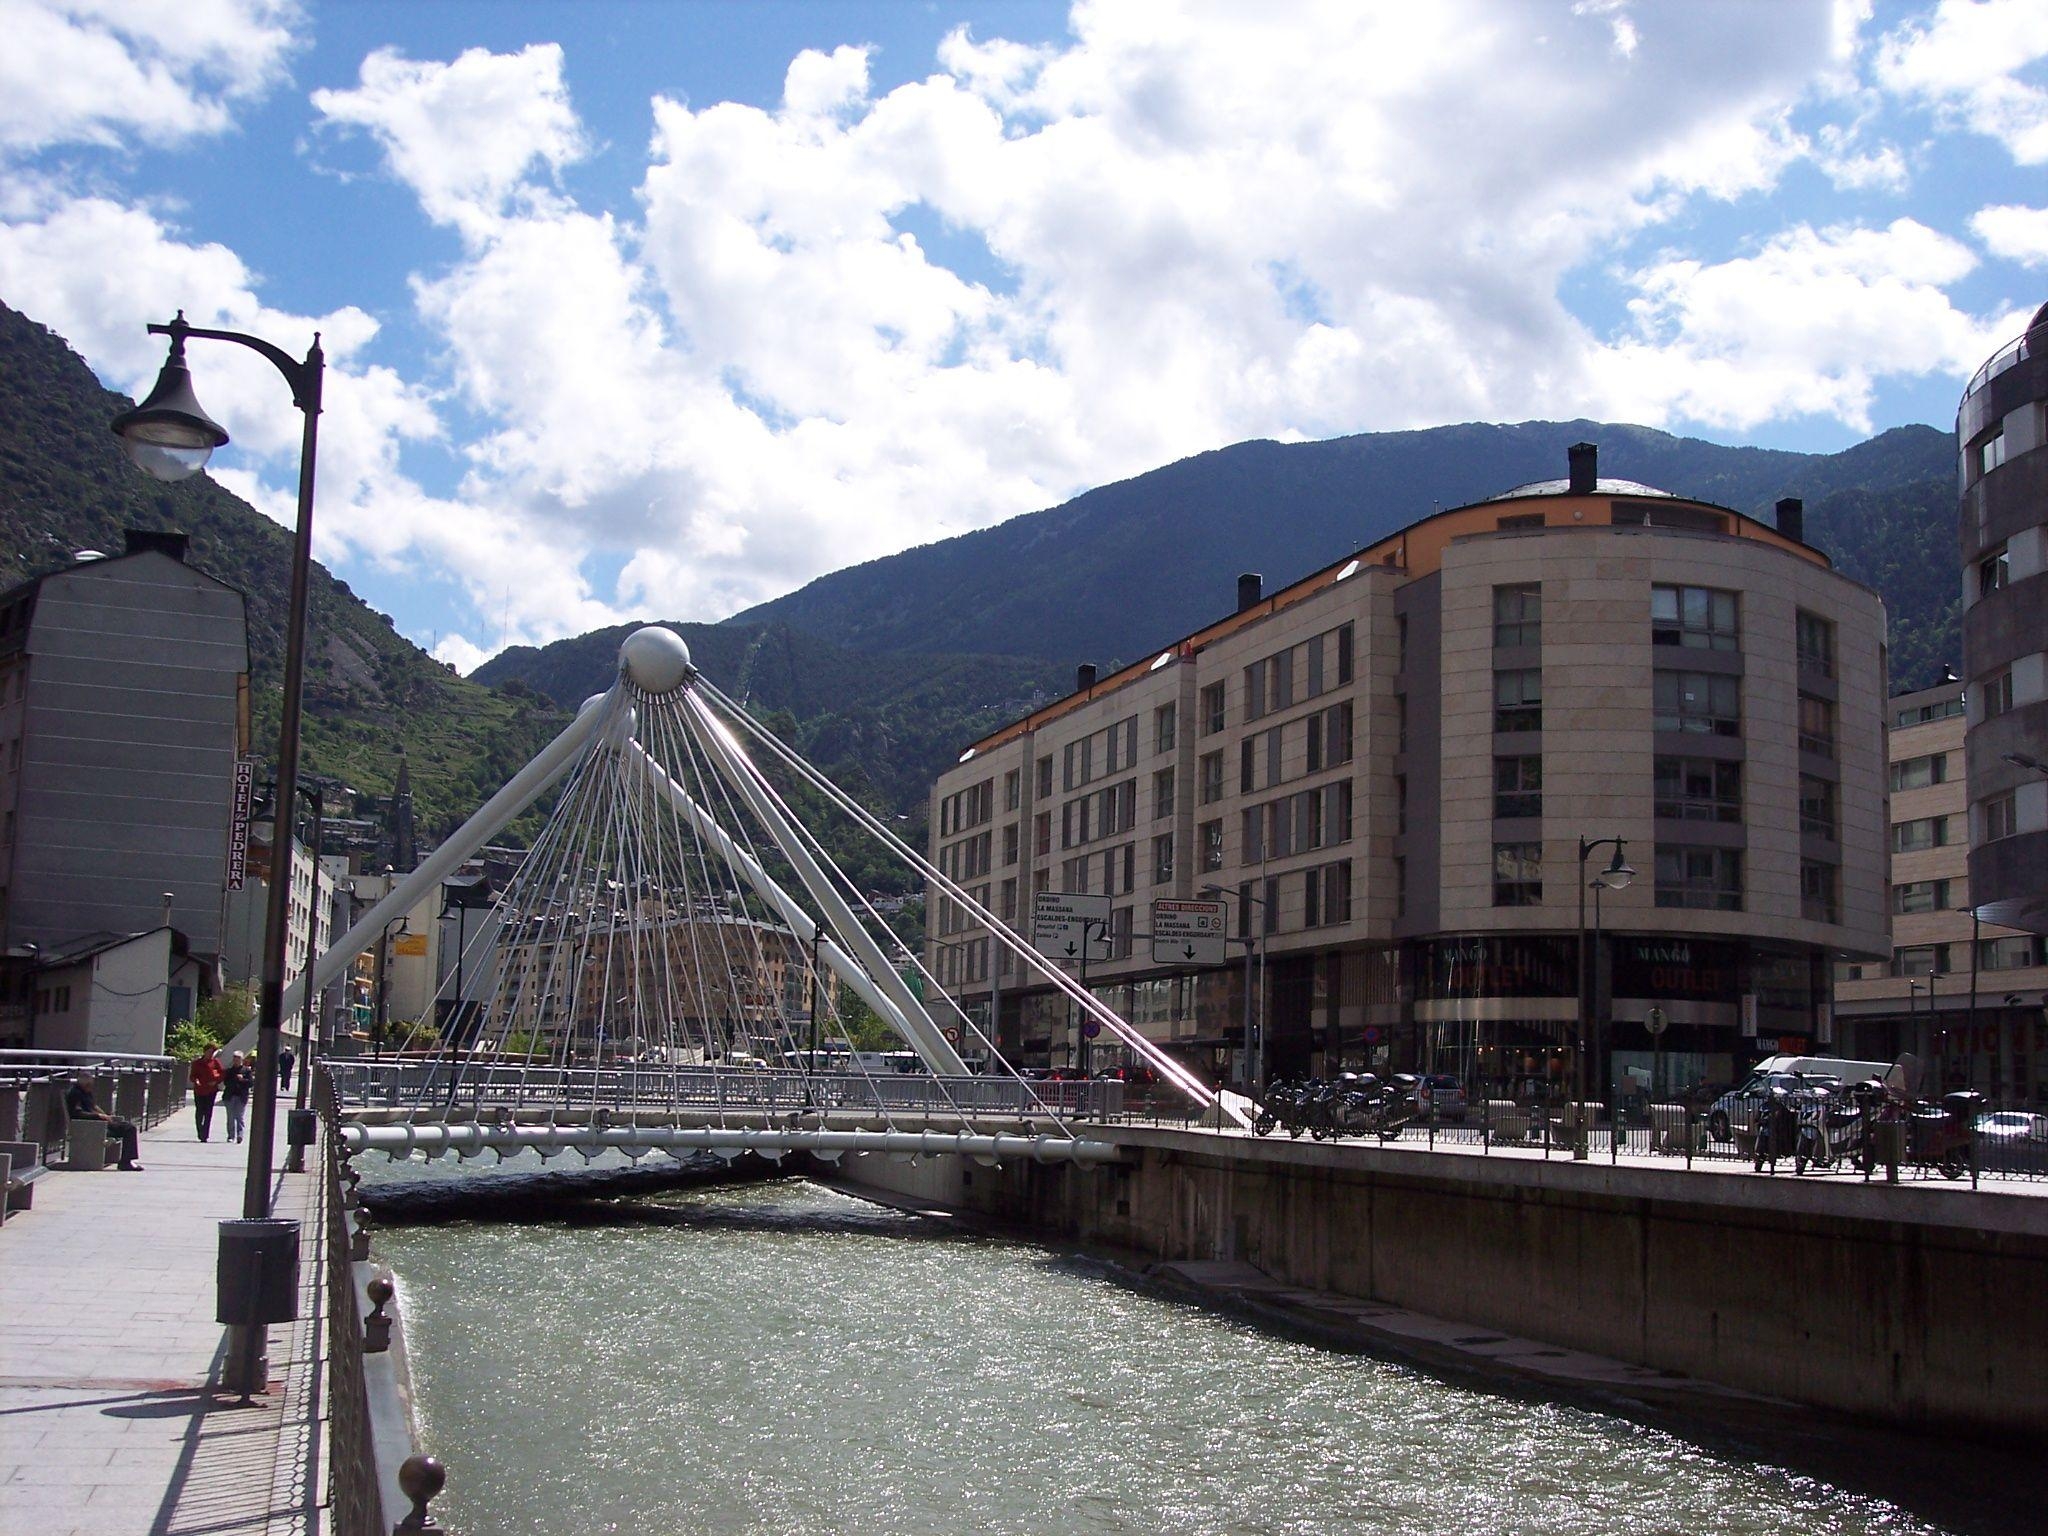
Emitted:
<point x="79" y="1104"/>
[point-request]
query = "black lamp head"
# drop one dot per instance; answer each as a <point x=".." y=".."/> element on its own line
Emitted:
<point x="169" y="434"/>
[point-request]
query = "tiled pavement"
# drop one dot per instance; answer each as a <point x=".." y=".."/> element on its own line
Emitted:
<point x="110" y="1418"/>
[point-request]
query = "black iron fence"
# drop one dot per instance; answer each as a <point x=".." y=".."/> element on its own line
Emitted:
<point x="144" y="1089"/>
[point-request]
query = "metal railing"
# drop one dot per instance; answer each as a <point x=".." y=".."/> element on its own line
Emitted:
<point x="356" y="1506"/>
<point x="438" y="1087"/>
<point x="144" y="1089"/>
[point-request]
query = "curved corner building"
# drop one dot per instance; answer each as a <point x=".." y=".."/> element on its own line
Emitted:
<point x="1387" y="766"/>
<point x="2002" y="435"/>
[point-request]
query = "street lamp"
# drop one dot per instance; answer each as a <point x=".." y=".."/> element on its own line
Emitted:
<point x="1254" y="1055"/>
<point x="301" y="1129"/>
<point x="1614" y="877"/>
<point x="171" y="438"/>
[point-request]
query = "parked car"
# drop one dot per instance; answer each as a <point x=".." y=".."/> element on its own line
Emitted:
<point x="1446" y="1096"/>
<point x="2012" y="1141"/>
<point x="1737" y="1109"/>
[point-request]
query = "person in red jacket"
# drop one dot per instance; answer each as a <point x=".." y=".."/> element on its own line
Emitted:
<point x="206" y="1076"/>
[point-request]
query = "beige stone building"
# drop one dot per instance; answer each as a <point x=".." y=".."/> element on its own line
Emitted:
<point x="1975" y="1015"/>
<point x="1387" y="766"/>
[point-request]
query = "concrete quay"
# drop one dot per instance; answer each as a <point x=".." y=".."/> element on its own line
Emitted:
<point x="112" y="1418"/>
<point x="1917" y="1306"/>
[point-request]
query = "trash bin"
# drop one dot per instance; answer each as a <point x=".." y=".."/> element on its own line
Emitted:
<point x="258" y="1274"/>
<point x="1888" y="1144"/>
<point x="300" y="1126"/>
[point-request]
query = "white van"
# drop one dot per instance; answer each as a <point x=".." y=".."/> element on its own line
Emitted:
<point x="1736" y="1109"/>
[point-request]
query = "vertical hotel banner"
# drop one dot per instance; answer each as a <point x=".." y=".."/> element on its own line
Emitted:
<point x="238" y="825"/>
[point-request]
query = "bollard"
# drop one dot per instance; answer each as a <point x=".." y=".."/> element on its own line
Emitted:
<point x="421" y="1477"/>
<point x="359" y="1239"/>
<point x="377" y="1327"/>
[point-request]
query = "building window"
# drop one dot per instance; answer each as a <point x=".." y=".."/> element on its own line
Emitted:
<point x="1919" y="772"/>
<point x="1991" y="455"/>
<point x="1920" y="960"/>
<point x="1704" y="618"/>
<point x="1013" y="788"/>
<point x="1817" y="806"/>
<point x="1011" y="837"/>
<point x="1993" y="571"/>
<point x="1921" y="714"/>
<point x="1998" y="816"/>
<point x="1008" y="910"/>
<point x="1162" y="793"/>
<point x="1329" y="737"/>
<point x="1819" y="885"/>
<point x="1045" y="778"/>
<point x="1400" y="802"/>
<point x="1923" y="832"/>
<point x="1400" y="887"/>
<point x="1212" y="709"/>
<point x="1517" y="701"/>
<point x="1346" y="647"/>
<point x="1162" y="859"/>
<point x="1211" y="835"/>
<point x="1709" y="879"/>
<point x="1998" y="695"/>
<point x="1041" y="834"/>
<point x="1212" y="777"/>
<point x="2015" y="952"/>
<point x="1705" y="703"/>
<point x="1163" y="728"/>
<point x="1517" y="874"/>
<point x="1816" y="726"/>
<point x="1698" y="789"/>
<point x="1816" y="640"/>
<point x="1518" y="614"/>
<point x="1517" y="786"/>
<point x="1920" y="896"/>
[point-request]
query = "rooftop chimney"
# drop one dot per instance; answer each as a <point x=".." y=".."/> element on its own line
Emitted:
<point x="163" y="542"/>
<point x="1792" y="518"/>
<point x="1248" y="588"/>
<point x="1585" y="468"/>
<point x="1084" y="677"/>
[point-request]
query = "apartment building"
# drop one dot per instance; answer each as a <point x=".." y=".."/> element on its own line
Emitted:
<point x="1386" y="769"/>
<point x="2002" y="442"/>
<point x="1961" y="993"/>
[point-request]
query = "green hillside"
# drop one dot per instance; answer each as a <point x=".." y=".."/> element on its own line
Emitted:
<point x="65" y="485"/>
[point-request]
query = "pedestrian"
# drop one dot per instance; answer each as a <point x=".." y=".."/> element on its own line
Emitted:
<point x="206" y="1075"/>
<point x="285" y="1058"/>
<point x="80" y="1104"/>
<point x="236" y="1083"/>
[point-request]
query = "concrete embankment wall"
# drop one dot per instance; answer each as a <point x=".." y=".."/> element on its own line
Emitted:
<point x="1913" y="1304"/>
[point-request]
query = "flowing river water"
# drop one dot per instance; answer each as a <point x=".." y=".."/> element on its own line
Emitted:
<point x="782" y="1358"/>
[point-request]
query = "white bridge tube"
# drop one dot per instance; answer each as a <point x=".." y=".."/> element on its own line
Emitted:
<point x="749" y="869"/>
<point x="524" y="787"/>
<point x="924" y="1036"/>
<point x="434" y="1139"/>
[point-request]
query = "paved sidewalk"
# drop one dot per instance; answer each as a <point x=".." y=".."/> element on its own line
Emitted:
<point x="111" y="1421"/>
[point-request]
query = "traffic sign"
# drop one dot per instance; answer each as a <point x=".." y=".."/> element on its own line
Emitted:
<point x="1067" y="927"/>
<point x="1187" y="933"/>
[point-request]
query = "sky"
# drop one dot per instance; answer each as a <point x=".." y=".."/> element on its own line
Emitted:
<point x="661" y="308"/>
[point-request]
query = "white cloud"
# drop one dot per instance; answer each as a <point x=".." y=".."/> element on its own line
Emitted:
<point x="464" y="135"/>
<point x="1805" y="326"/>
<point x="1967" y="62"/>
<point x="101" y="71"/>
<point x="1201" y="224"/>
<point x="2013" y="232"/>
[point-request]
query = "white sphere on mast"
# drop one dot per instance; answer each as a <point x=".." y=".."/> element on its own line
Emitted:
<point x="655" y="660"/>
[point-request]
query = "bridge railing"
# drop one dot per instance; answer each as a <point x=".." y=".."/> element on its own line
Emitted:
<point x="439" y="1087"/>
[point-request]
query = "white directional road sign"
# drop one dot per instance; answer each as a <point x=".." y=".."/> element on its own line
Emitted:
<point x="1065" y="926"/>
<point x="1187" y="933"/>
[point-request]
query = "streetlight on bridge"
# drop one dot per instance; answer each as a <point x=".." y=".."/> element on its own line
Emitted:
<point x="171" y="437"/>
<point x="1614" y="877"/>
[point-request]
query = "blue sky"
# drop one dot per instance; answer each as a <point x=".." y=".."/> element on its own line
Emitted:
<point x="658" y="310"/>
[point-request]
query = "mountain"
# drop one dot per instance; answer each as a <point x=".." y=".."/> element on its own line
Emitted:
<point x="1126" y="567"/>
<point x="881" y="726"/>
<point x="65" y="485"/>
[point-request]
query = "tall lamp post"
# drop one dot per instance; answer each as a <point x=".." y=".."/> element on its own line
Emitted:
<point x="171" y="437"/>
<point x="1614" y="877"/>
<point x="1254" y="1047"/>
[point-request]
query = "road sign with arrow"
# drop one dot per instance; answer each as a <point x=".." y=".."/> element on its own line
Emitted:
<point x="1067" y="927"/>
<point x="1187" y="933"/>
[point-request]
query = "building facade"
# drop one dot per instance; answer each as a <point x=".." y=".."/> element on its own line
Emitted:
<point x="1962" y="994"/>
<point x="1385" y="770"/>
<point x="2002" y="439"/>
<point x="123" y="705"/>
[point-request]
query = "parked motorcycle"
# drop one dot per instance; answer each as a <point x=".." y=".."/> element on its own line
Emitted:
<point x="1777" y="1128"/>
<point x="1831" y="1128"/>
<point x="1941" y="1137"/>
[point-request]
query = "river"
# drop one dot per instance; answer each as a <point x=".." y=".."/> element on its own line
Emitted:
<point x="782" y="1358"/>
